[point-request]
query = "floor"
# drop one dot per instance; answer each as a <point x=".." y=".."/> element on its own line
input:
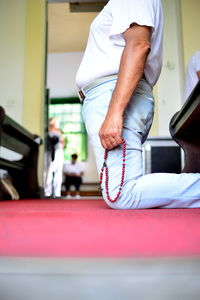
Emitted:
<point x="99" y="279"/>
<point x="157" y="278"/>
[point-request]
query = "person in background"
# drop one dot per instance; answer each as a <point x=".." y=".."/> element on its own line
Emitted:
<point x="192" y="74"/>
<point x="55" y="157"/>
<point x="73" y="173"/>
<point x="121" y="64"/>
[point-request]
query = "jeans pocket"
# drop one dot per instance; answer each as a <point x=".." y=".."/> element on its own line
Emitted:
<point x="148" y="124"/>
<point x="95" y="108"/>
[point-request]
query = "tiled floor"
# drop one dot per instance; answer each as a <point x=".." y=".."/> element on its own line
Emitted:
<point x="99" y="279"/>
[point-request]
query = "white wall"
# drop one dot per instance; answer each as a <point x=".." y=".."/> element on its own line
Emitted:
<point x="61" y="73"/>
<point x="12" y="40"/>
<point x="171" y="82"/>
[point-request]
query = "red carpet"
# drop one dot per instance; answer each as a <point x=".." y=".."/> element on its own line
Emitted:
<point x="88" y="228"/>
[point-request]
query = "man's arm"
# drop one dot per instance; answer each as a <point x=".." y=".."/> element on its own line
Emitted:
<point x="198" y="74"/>
<point x="136" y="50"/>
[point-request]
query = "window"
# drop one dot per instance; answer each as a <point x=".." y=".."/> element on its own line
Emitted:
<point x="72" y="126"/>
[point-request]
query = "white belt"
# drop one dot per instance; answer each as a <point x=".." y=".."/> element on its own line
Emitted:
<point x="83" y="92"/>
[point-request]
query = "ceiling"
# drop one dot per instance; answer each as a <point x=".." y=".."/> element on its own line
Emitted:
<point x="68" y="31"/>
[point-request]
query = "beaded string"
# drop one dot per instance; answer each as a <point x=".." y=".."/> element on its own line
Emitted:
<point x="107" y="175"/>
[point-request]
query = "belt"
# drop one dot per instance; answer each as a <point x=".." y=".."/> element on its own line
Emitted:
<point x="82" y="93"/>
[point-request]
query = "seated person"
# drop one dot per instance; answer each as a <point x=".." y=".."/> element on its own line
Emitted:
<point x="73" y="175"/>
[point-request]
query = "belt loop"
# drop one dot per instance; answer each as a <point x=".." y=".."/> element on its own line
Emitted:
<point x="81" y="96"/>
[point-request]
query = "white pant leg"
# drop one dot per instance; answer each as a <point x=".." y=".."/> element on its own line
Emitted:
<point x="48" y="189"/>
<point x="168" y="190"/>
<point x="57" y="182"/>
<point x="54" y="175"/>
<point x="153" y="190"/>
<point x="58" y="171"/>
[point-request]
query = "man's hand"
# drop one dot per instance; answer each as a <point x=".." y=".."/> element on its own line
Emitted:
<point x="110" y="131"/>
<point x="131" y="70"/>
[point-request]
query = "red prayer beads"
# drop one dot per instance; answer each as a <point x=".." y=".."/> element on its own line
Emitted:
<point x="107" y="175"/>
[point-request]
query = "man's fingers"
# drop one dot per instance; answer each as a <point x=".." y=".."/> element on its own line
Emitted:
<point x="119" y="140"/>
<point x="111" y="142"/>
<point x="106" y="144"/>
<point x="103" y="144"/>
<point x="110" y="136"/>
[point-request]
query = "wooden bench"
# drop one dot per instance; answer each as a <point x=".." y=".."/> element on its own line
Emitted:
<point x="19" y="156"/>
<point x="185" y="130"/>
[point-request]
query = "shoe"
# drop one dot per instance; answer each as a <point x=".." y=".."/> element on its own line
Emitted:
<point x="77" y="196"/>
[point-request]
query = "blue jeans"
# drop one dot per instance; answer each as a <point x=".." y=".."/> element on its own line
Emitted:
<point x="139" y="190"/>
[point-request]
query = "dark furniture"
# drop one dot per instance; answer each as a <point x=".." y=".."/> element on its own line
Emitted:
<point x="19" y="156"/>
<point x="185" y="130"/>
<point x="161" y="155"/>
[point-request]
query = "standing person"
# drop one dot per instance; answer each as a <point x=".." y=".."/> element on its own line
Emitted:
<point x="121" y="64"/>
<point x="192" y="74"/>
<point x="73" y="175"/>
<point x="55" y="157"/>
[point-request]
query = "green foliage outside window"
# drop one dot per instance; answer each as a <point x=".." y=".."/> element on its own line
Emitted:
<point x="72" y="126"/>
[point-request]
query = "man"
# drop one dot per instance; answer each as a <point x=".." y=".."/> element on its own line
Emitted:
<point x="55" y="157"/>
<point x="121" y="64"/>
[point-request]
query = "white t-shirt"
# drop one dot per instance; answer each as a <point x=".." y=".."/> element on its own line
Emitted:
<point x="191" y="74"/>
<point x="76" y="168"/>
<point x="106" y="42"/>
